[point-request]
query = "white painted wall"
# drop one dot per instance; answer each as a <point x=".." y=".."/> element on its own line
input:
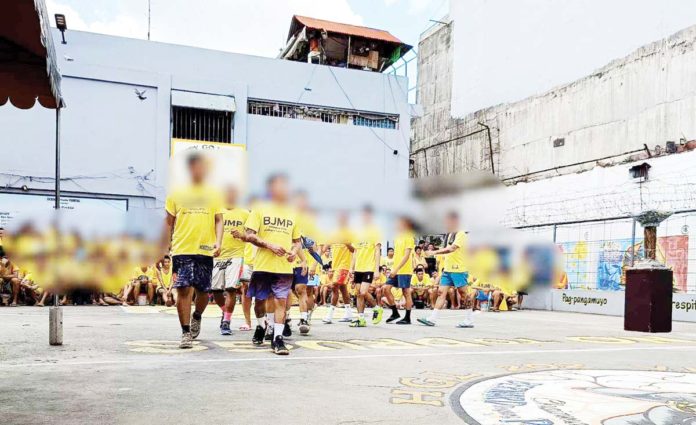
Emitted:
<point x="117" y="144"/>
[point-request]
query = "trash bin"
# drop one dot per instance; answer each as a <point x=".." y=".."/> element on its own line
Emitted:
<point x="648" y="306"/>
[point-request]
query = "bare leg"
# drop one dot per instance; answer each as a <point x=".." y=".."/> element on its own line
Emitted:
<point x="183" y="305"/>
<point x="15" y="283"/>
<point x="246" y="304"/>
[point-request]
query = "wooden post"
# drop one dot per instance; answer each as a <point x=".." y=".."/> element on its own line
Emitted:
<point x="650" y="242"/>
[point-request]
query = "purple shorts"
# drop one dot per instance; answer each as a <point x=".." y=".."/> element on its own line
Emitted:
<point x="263" y="284"/>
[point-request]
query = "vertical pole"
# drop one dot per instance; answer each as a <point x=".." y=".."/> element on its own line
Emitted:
<point x="555" y="227"/>
<point x="55" y="314"/>
<point x="148" y="19"/>
<point x="633" y="243"/>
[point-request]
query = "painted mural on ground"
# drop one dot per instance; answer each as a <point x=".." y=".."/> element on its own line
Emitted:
<point x="607" y="397"/>
<point x="602" y="265"/>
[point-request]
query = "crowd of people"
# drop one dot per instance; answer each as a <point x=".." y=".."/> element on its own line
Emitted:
<point x="269" y="257"/>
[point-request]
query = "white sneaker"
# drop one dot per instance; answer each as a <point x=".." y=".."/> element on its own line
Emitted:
<point x="327" y="321"/>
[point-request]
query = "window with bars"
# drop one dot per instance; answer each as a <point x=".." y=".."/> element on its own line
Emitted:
<point x="323" y="114"/>
<point x="201" y="124"/>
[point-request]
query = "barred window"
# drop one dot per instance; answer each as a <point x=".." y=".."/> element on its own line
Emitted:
<point x="201" y="124"/>
<point x="323" y="114"/>
<point x="374" y="122"/>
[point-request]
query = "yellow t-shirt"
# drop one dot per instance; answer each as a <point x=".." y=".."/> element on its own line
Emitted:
<point x="397" y="293"/>
<point x="149" y="273"/>
<point x="421" y="283"/>
<point x="402" y="243"/>
<point x="341" y="257"/>
<point x="232" y="219"/>
<point x="455" y="262"/>
<point x="379" y="280"/>
<point x="309" y="229"/>
<point x="388" y="262"/>
<point x="249" y="254"/>
<point x="276" y="224"/>
<point x="166" y="278"/>
<point x="194" y="208"/>
<point x="324" y="280"/>
<point x="366" y="248"/>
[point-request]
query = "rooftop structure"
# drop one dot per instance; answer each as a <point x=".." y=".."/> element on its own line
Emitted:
<point x="343" y="45"/>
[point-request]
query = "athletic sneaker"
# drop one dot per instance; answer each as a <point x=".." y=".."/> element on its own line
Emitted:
<point x="304" y="327"/>
<point x="225" y="328"/>
<point x="358" y="323"/>
<point x="346" y="320"/>
<point x="287" y="332"/>
<point x="327" y="321"/>
<point x="465" y="325"/>
<point x="404" y="321"/>
<point x="257" y="339"/>
<point x="186" y="340"/>
<point x="269" y="332"/>
<point x="279" y="346"/>
<point x="393" y="317"/>
<point x="377" y="313"/>
<point x="425" y="322"/>
<point x="195" y="327"/>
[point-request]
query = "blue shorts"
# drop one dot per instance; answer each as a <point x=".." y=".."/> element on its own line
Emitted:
<point x="297" y="278"/>
<point x="314" y="281"/>
<point x="402" y="281"/>
<point x="193" y="271"/>
<point x="454" y="279"/>
<point x="481" y="295"/>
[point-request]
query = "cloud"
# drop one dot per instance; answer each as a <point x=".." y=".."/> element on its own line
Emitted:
<point x="257" y="27"/>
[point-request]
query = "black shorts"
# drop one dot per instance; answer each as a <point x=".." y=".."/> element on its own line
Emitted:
<point x="363" y="277"/>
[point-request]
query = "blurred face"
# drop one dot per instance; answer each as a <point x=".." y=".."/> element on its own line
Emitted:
<point x="231" y="196"/>
<point x="278" y="189"/>
<point x="419" y="251"/>
<point x="367" y="216"/>
<point x="390" y="252"/>
<point x="197" y="170"/>
<point x="166" y="262"/>
<point x="431" y="247"/>
<point x="343" y="219"/>
<point x="301" y="201"/>
<point x="452" y="223"/>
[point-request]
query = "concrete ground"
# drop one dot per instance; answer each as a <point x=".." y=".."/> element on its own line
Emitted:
<point x="122" y="365"/>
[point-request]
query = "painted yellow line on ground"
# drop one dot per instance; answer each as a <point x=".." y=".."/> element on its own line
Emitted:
<point x="159" y="360"/>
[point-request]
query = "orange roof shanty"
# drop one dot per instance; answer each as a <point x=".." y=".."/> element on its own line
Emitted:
<point x="299" y="21"/>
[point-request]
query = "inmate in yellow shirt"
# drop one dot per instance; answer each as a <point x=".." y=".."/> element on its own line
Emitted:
<point x="138" y="271"/>
<point x="402" y="243"/>
<point x="232" y="219"/>
<point x="194" y="208"/>
<point x="455" y="262"/>
<point x="366" y="249"/>
<point x="276" y="224"/>
<point x="341" y="257"/>
<point x="421" y="283"/>
<point x="249" y="254"/>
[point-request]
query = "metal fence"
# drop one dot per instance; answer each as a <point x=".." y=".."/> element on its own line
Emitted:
<point x="595" y="254"/>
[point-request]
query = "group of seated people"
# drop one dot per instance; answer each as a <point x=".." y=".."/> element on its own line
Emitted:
<point x="152" y="284"/>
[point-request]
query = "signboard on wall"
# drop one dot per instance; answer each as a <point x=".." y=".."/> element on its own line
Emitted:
<point x="228" y="162"/>
<point x="89" y="214"/>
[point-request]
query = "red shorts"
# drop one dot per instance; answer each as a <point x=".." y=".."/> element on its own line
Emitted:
<point x="341" y="277"/>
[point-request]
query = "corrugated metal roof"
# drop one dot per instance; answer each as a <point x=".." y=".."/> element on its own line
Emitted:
<point x="340" y="28"/>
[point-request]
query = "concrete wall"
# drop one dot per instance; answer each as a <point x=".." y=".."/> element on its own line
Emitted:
<point x="115" y="143"/>
<point x="647" y="97"/>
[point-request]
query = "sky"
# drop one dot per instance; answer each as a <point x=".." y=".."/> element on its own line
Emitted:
<point x="256" y="27"/>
